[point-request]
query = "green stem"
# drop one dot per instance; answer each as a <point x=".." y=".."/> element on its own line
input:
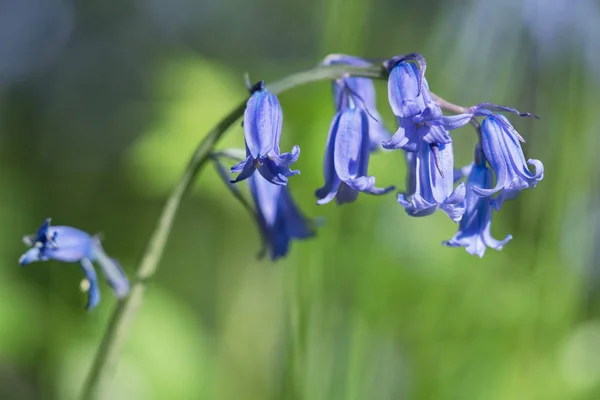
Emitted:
<point x="126" y="309"/>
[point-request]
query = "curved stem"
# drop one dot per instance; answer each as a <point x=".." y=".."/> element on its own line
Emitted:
<point x="456" y="109"/>
<point x="126" y="309"/>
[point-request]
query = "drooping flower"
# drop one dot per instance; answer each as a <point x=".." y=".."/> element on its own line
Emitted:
<point x="500" y="142"/>
<point x="347" y="158"/>
<point x="413" y="105"/>
<point x="434" y="183"/>
<point x="263" y="120"/>
<point x="279" y="218"/>
<point x="502" y="148"/>
<point x="363" y="90"/>
<point x="474" y="228"/>
<point x="67" y="244"/>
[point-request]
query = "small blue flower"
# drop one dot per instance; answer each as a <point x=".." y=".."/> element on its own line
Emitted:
<point x="433" y="167"/>
<point x="474" y="228"/>
<point x="347" y="158"/>
<point x="413" y="105"/>
<point x="279" y="218"/>
<point x="363" y="90"/>
<point x="502" y="148"/>
<point x="67" y="244"/>
<point x="263" y="120"/>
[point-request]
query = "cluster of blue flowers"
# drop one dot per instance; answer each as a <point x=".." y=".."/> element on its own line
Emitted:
<point x="423" y="136"/>
<point x="356" y="131"/>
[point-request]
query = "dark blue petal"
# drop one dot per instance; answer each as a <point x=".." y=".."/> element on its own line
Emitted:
<point x="286" y="159"/>
<point x="245" y="168"/>
<point x="279" y="218"/>
<point x="275" y="173"/>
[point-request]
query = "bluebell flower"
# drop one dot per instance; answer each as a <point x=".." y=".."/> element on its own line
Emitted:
<point x="474" y="228"/>
<point x="413" y="105"/>
<point x="502" y="148"/>
<point x="279" y="218"/>
<point x="434" y="183"/>
<point x="347" y="158"/>
<point x="363" y="90"/>
<point x="263" y="120"/>
<point x="67" y="244"/>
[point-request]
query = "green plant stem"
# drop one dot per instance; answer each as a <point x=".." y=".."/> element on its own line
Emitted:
<point x="126" y="309"/>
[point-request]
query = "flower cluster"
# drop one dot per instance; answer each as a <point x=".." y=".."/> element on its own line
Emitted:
<point x="423" y="136"/>
<point x="498" y="173"/>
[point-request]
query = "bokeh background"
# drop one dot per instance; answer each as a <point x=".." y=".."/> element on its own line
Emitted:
<point x="102" y="103"/>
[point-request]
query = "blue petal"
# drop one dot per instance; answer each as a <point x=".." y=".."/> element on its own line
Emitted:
<point x="504" y="153"/>
<point x="263" y="119"/>
<point x="367" y="185"/>
<point x="411" y="171"/>
<point x="332" y="181"/>
<point x="474" y="228"/>
<point x="350" y="143"/>
<point x="245" y="168"/>
<point x="403" y="90"/>
<point x="30" y="256"/>
<point x="112" y="271"/>
<point x="406" y="137"/>
<point x="274" y="173"/>
<point x="454" y="205"/>
<point x="279" y="218"/>
<point x="432" y="189"/>
<point x="351" y="154"/>
<point x="93" y="290"/>
<point x="417" y="206"/>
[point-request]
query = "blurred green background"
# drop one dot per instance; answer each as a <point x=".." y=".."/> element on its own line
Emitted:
<point x="102" y="103"/>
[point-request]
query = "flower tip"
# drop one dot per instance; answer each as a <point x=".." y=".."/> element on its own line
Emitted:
<point x="529" y="115"/>
<point x="23" y="260"/>
<point x="257" y="87"/>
